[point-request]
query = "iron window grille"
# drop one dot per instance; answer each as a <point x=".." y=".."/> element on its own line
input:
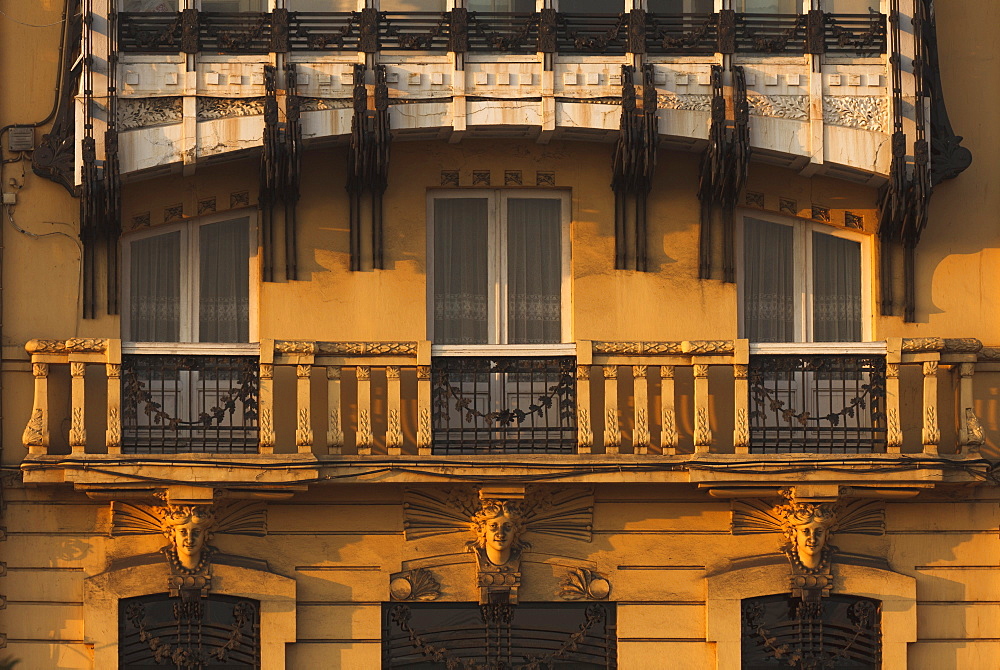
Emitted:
<point x="188" y="403"/>
<point x="822" y="404"/>
<point x="487" y="405"/>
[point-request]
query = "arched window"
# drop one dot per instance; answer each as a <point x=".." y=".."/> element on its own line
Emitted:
<point x="213" y="633"/>
<point x="840" y="632"/>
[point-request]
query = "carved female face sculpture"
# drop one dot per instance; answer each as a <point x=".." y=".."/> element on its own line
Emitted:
<point x="808" y="527"/>
<point x="187" y="528"/>
<point x="498" y="530"/>
<point x="810" y="539"/>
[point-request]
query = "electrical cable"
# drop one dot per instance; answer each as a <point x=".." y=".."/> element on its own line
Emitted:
<point x="31" y="25"/>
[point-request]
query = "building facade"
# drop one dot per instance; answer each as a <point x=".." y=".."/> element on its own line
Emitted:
<point x="433" y="334"/>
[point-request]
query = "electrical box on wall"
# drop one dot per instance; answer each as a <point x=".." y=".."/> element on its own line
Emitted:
<point x="21" y="138"/>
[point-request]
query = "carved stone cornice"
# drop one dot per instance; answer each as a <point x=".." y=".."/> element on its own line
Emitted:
<point x="136" y="113"/>
<point x="664" y="348"/>
<point x="795" y="107"/>
<point x="345" y="348"/>
<point x="863" y="112"/>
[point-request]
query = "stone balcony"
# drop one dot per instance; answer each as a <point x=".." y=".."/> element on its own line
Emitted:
<point x="280" y="414"/>
<point x="192" y="86"/>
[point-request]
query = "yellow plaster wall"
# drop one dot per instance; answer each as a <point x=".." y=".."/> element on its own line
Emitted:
<point x="657" y="545"/>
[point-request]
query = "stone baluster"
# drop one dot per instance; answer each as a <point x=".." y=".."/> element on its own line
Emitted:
<point x="78" y="412"/>
<point x="584" y="427"/>
<point x="932" y="430"/>
<point x="612" y="429"/>
<point x="965" y="405"/>
<point x="424" y="435"/>
<point x="303" y="425"/>
<point x="702" y="426"/>
<point x="741" y="397"/>
<point x="640" y="435"/>
<point x="893" y="425"/>
<point x="36" y="433"/>
<point x="668" y="416"/>
<point x="113" y="368"/>
<point x="265" y="397"/>
<point x="335" y="415"/>
<point x="394" y="420"/>
<point x="365" y="438"/>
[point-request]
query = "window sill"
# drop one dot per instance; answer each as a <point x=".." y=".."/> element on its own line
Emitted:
<point x="517" y="350"/>
<point x="802" y="348"/>
<point x="202" y="348"/>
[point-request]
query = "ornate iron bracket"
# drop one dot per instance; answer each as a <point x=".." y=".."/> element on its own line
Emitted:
<point x="280" y="170"/>
<point x="634" y="163"/>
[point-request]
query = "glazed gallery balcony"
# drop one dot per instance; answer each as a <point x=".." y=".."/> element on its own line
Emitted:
<point x="630" y="400"/>
<point x="461" y="31"/>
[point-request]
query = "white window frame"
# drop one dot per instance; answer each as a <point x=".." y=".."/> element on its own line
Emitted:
<point x="497" y="256"/>
<point x="190" y="286"/>
<point x="803" y="275"/>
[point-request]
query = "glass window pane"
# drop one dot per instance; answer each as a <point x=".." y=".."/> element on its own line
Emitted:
<point x="233" y="6"/>
<point x="149" y="6"/>
<point x="768" y="6"/>
<point x="592" y="6"/>
<point x="836" y="289"/>
<point x="322" y="5"/>
<point x="768" y="290"/>
<point x="224" y="292"/>
<point x="680" y="6"/>
<point x="461" y="271"/>
<point x="851" y="6"/>
<point x="414" y="5"/>
<point x="534" y="271"/>
<point x="516" y="6"/>
<point x="155" y="288"/>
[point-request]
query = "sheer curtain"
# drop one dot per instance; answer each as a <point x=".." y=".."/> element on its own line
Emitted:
<point x="461" y="271"/>
<point x="534" y="271"/>
<point x="518" y="6"/>
<point x="836" y="289"/>
<point x="224" y="293"/>
<point x="768" y="291"/>
<point x="155" y="288"/>
<point x="768" y="6"/>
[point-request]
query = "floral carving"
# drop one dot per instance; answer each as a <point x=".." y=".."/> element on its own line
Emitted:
<point x="321" y="104"/>
<point x="146" y="112"/>
<point x="865" y="112"/>
<point x="780" y="106"/>
<point x="32" y="436"/>
<point x="418" y="584"/>
<point x="584" y="584"/>
<point x="690" y="102"/>
<point x="210" y="109"/>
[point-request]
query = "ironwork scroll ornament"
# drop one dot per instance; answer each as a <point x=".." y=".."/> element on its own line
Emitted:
<point x="188" y="529"/>
<point x="807" y="527"/>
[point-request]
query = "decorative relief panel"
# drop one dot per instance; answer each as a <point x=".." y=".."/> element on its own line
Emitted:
<point x="223" y="108"/>
<point x="146" y="112"/>
<point x="690" y="102"/>
<point x="584" y="584"/>
<point x="188" y="529"/>
<point x="865" y="112"/>
<point x="807" y="528"/>
<point x="780" y="106"/>
<point x="323" y="104"/>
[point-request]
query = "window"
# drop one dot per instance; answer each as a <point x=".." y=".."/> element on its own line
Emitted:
<point x="768" y="6"/>
<point x="516" y="6"/>
<point x="802" y="282"/>
<point x="466" y="635"/>
<point x="592" y="6"/>
<point x="233" y="6"/>
<point x="414" y="5"/>
<point x="680" y="6"/>
<point x="851" y="6"/>
<point x="499" y="265"/>
<point x="321" y="5"/>
<point x="149" y="6"/>
<point x="189" y="282"/>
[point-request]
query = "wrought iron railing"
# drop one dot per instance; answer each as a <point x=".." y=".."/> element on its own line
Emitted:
<point x="820" y="404"/>
<point x="236" y="33"/>
<point x="771" y="33"/>
<point x="592" y="33"/>
<point x="329" y="31"/>
<point x="485" y="405"/>
<point x="568" y="33"/>
<point x="854" y="34"/>
<point x="508" y="33"/>
<point x="423" y="31"/>
<point x="181" y="403"/>
<point x="149" y="33"/>
<point x="683" y="34"/>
